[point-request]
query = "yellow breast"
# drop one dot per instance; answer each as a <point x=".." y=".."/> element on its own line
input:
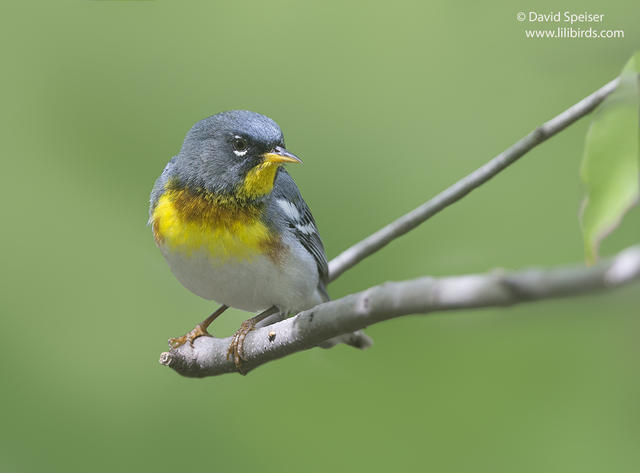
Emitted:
<point x="185" y="221"/>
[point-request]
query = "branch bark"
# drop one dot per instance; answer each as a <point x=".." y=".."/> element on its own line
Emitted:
<point x="352" y="256"/>
<point x="340" y="317"/>
<point x="394" y="299"/>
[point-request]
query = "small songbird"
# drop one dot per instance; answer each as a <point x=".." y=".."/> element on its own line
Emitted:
<point x="232" y="225"/>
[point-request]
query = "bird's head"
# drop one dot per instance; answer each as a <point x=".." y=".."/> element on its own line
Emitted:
<point x="233" y="153"/>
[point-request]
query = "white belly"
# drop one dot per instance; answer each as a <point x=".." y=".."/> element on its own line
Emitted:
<point x="249" y="284"/>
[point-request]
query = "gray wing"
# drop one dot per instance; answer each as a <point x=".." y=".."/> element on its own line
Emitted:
<point x="298" y="219"/>
<point x="158" y="186"/>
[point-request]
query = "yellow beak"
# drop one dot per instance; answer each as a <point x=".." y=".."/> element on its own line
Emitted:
<point x="280" y="155"/>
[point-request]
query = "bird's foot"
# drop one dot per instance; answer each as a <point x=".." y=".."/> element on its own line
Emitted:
<point x="197" y="332"/>
<point x="237" y="343"/>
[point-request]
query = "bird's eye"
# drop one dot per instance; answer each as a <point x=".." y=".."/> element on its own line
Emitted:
<point x="239" y="145"/>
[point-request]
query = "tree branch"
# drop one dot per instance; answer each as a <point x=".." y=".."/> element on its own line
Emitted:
<point x="352" y="256"/>
<point x="341" y="317"/>
<point x="394" y="299"/>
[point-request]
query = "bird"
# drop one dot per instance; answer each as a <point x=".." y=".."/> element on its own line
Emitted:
<point x="233" y="226"/>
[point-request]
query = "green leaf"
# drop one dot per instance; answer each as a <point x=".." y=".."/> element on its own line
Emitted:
<point x="611" y="163"/>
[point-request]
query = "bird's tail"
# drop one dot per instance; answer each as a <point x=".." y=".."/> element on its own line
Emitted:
<point x="357" y="339"/>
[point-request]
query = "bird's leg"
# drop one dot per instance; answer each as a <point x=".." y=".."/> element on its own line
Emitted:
<point x="237" y="342"/>
<point x="199" y="330"/>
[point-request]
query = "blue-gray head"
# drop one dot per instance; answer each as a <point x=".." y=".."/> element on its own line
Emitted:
<point x="232" y="153"/>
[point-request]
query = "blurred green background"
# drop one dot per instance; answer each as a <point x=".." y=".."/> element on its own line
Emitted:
<point x="387" y="103"/>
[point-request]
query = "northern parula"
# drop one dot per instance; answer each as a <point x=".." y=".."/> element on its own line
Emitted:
<point x="232" y="225"/>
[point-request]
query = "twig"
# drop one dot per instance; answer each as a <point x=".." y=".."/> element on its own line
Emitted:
<point x="340" y="317"/>
<point x="352" y="256"/>
<point x="394" y="299"/>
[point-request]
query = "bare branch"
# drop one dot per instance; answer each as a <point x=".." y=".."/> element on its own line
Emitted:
<point x="352" y="256"/>
<point x="394" y="299"/>
<point x="335" y="321"/>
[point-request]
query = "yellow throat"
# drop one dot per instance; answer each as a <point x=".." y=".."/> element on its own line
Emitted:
<point x="225" y="226"/>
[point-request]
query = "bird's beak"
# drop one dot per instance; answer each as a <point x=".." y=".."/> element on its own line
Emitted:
<point x="280" y="155"/>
